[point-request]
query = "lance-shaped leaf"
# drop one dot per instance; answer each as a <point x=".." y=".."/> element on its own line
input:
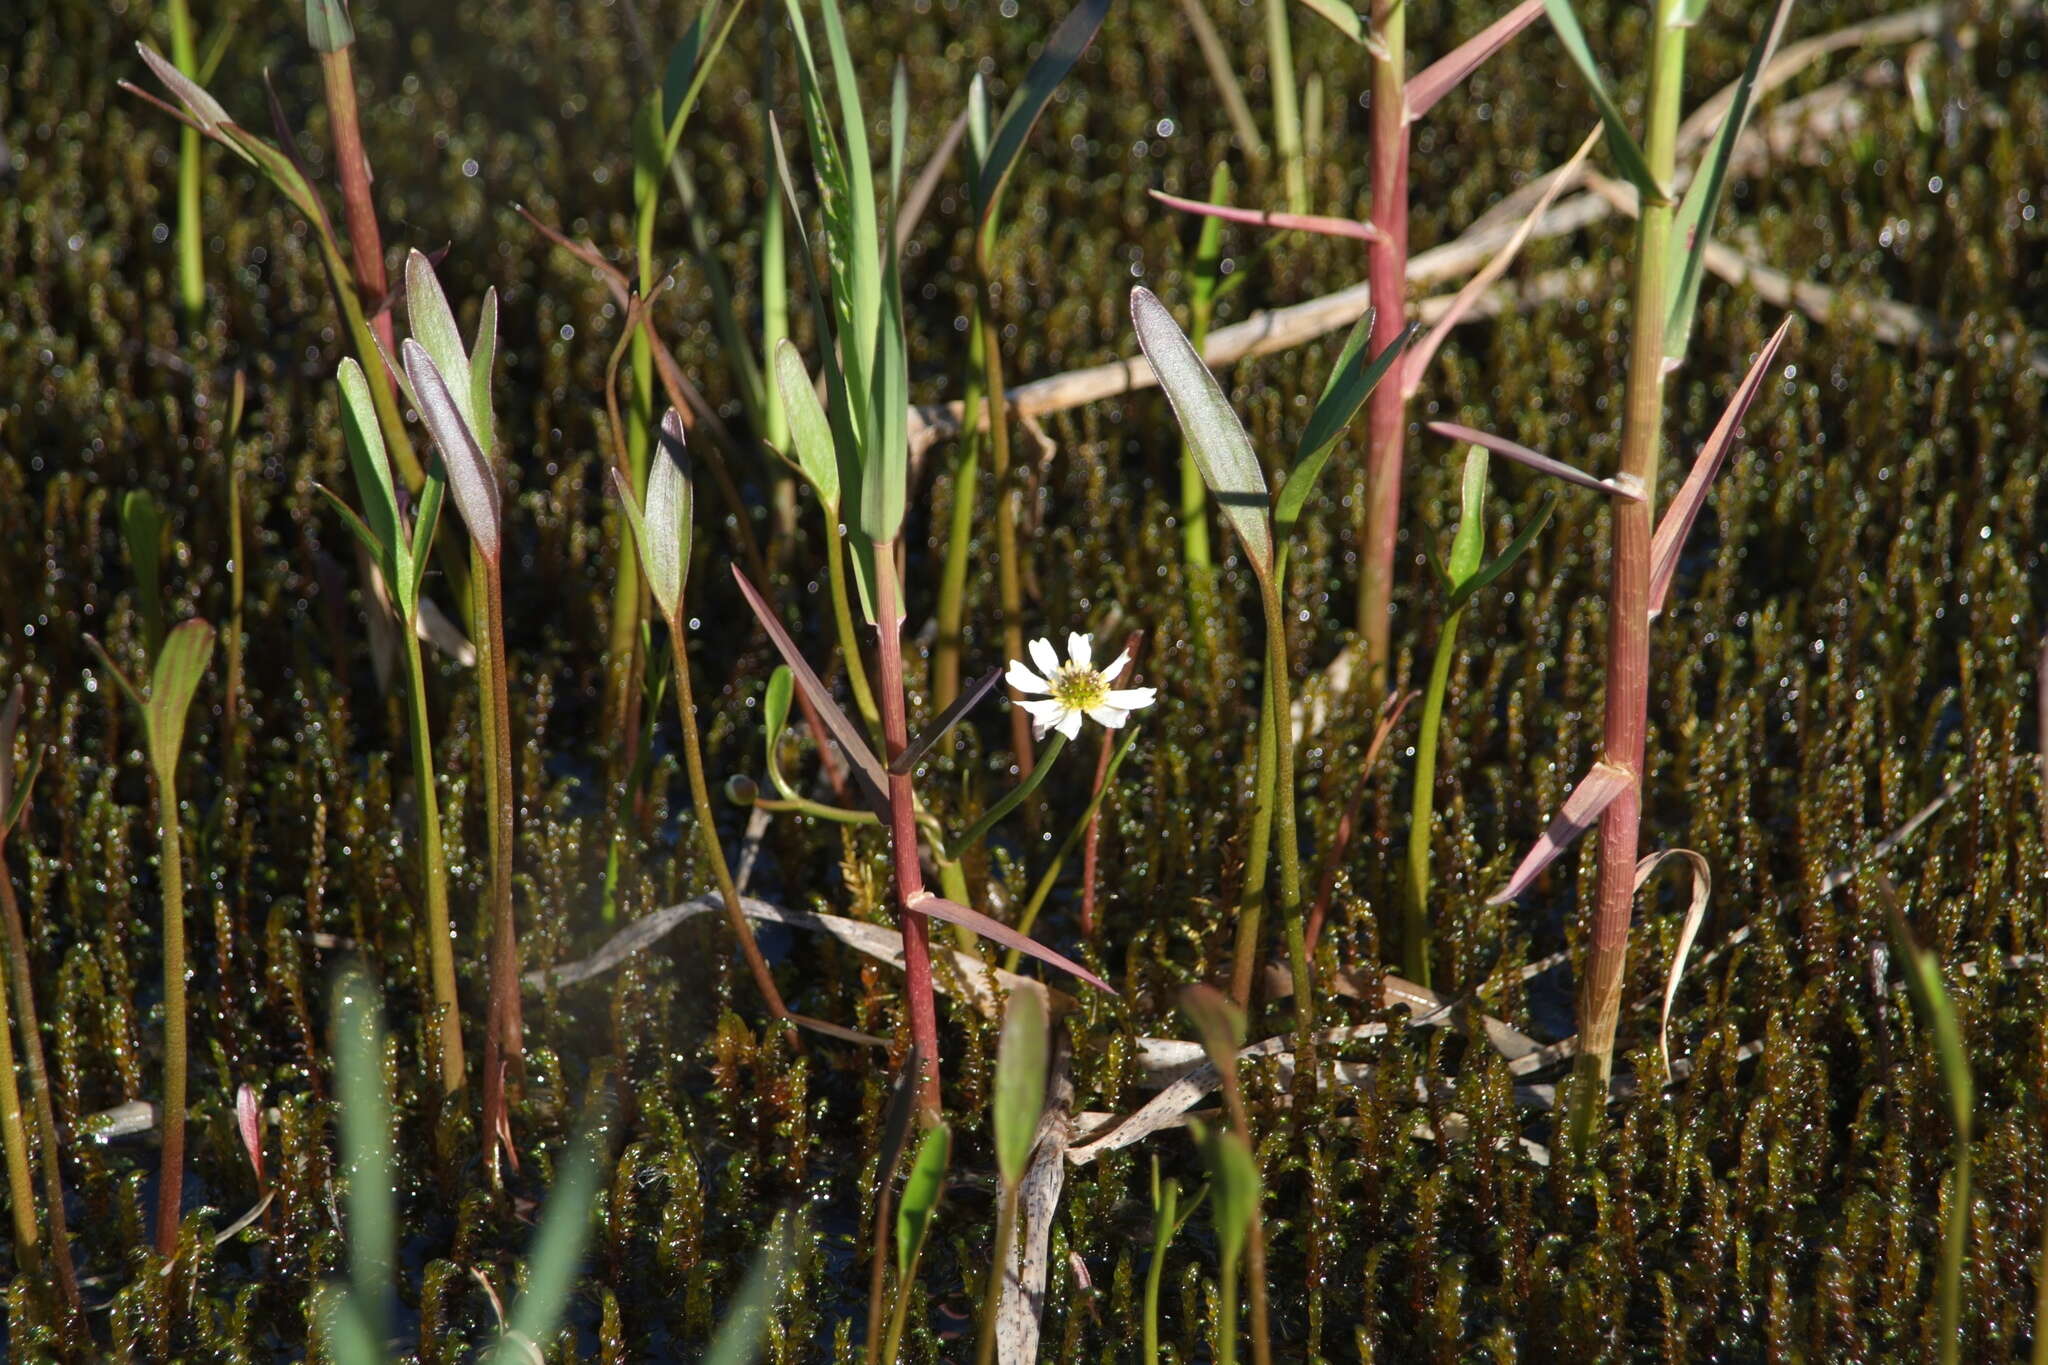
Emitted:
<point x="1222" y="450"/>
<point x="1693" y="225"/>
<point x="1218" y="1022"/>
<point x="921" y="744"/>
<point x="1020" y="1082"/>
<point x="142" y="526"/>
<point x="874" y="782"/>
<point x="1417" y="362"/>
<point x="327" y="25"/>
<point x="1233" y="1186"/>
<point x="1543" y="464"/>
<point x="775" y="702"/>
<point x="1628" y="154"/>
<point x="1352" y="380"/>
<point x="1672" y="531"/>
<point x="1055" y="60"/>
<point x="809" y="429"/>
<point x="1494" y="568"/>
<point x="1449" y="71"/>
<point x="1352" y="228"/>
<point x="921" y="1191"/>
<point x="471" y="479"/>
<point x="557" y="1252"/>
<point x="1600" y="788"/>
<point x="952" y="912"/>
<point x="433" y="327"/>
<point x="662" y="532"/>
<point x="1930" y="996"/>
<point x="1341" y="17"/>
<point x="204" y="109"/>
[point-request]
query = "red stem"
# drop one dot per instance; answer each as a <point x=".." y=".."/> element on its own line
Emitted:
<point x="1386" y="412"/>
<point x="352" y="164"/>
<point x="917" y="957"/>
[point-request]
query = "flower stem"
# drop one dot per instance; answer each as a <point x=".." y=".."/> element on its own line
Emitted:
<point x="960" y="528"/>
<point x="171" y="1178"/>
<point x="38" y="1081"/>
<point x="1009" y="583"/>
<point x="434" y="873"/>
<point x="502" y="1044"/>
<point x="191" y="253"/>
<point x="842" y="619"/>
<point x="1415" y="938"/>
<point x="956" y="849"/>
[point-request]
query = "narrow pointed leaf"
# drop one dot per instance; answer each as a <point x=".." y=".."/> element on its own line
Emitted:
<point x="12" y="800"/>
<point x="920" y="1199"/>
<point x="1217" y="439"/>
<point x="1449" y="71"/>
<point x="1233" y="1186"/>
<point x="1352" y="380"/>
<point x="1695" y="915"/>
<point x="364" y="1116"/>
<point x="1417" y="362"/>
<point x="903" y="1092"/>
<point x="557" y="1252"/>
<point x="1055" y="60"/>
<point x="327" y="25"/>
<point x="690" y="63"/>
<point x="1599" y="789"/>
<point x="1521" y="454"/>
<point x="952" y="912"/>
<point x="483" y="357"/>
<point x="1494" y="568"/>
<point x="1669" y="542"/>
<point x="1468" y="546"/>
<point x="809" y="430"/>
<point x="364" y="438"/>
<point x="1341" y="17"/>
<point x="471" y="480"/>
<point x="874" y="782"/>
<point x="1020" y="1082"/>
<point x="205" y="110"/>
<point x="1355" y="229"/>
<point x="921" y="744"/>
<point x="745" y="1325"/>
<point x="661" y="531"/>
<point x="378" y="551"/>
<point x="142" y="526"/>
<point x="426" y="521"/>
<point x="433" y="327"/>
<point x="1628" y="154"/>
<point x="1693" y="226"/>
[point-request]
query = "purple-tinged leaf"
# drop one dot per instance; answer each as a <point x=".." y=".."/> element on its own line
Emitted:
<point x="471" y="480"/>
<point x="205" y="110"/>
<point x="1599" y="790"/>
<point x="921" y="744"/>
<point x="249" y="1123"/>
<point x="938" y="907"/>
<point x="1273" y="218"/>
<point x="1692" y="494"/>
<point x="874" y="782"/>
<point x="1449" y="71"/>
<point x="1417" y="360"/>
<point x="1521" y="454"/>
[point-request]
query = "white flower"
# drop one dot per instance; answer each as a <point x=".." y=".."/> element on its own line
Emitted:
<point x="1068" y="691"/>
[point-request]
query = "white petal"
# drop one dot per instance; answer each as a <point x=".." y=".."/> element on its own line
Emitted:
<point x="1024" y="680"/>
<point x="1111" y="716"/>
<point x="1045" y="713"/>
<point x="1042" y="654"/>
<point x="1070" y="724"/>
<point x="1116" y="666"/>
<point x="1081" y="649"/>
<point x="1131" y="698"/>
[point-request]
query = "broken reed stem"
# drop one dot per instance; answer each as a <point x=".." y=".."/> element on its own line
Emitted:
<point x="171" y="1177"/>
<point x="903" y="848"/>
<point x="32" y="1064"/>
<point x="1628" y="604"/>
<point x="1379" y="520"/>
<point x="502" y="1040"/>
<point x="447" y="1007"/>
<point x="1009" y="584"/>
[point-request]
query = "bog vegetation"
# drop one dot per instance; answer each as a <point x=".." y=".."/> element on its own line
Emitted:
<point x="1165" y="679"/>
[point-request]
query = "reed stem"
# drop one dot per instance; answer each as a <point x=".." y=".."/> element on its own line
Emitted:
<point x="33" y="1066"/>
<point x="191" y="169"/>
<point x="960" y="527"/>
<point x="1286" y="105"/>
<point x="1009" y="582"/>
<point x="171" y="1178"/>
<point x="359" y="208"/>
<point x="434" y="872"/>
<point x="1386" y="419"/>
<point x="903" y="848"/>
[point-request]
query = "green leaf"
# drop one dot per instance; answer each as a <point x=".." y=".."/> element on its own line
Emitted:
<point x="1628" y="154"/>
<point x="142" y="526"/>
<point x="379" y="552"/>
<point x="1692" y="227"/>
<point x="1055" y="60"/>
<point x="1352" y="380"/>
<point x="745" y="1327"/>
<point x="661" y="533"/>
<point x="483" y="357"/>
<point x="1233" y="1186"/>
<point x="557" y="1251"/>
<point x="433" y="327"/>
<point x="1478" y="582"/>
<point x="179" y="667"/>
<point x="205" y="110"/>
<point x="344" y="1331"/>
<point x="379" y="525"/>
<point x="920" y="1199"/>
<point x="363" y="1112"/>
<point x="426" y="521"/>
<point x="1021" y="1060"/>
<point x="1342" y="17"/>
<point x="1218" y="1023"/>
<point x="327" y="25"/>
<point x="774" y="720"/>
<point x="1222" y="450"/>
<point x="1468" y="546"/>
<point x="471" y="479"/>
<point x="809" y="430"/>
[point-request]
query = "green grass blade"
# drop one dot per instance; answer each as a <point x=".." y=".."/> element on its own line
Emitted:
<point x="745" y="1327"/>
<point x="179" y="667"/>
<point x="1021" y="1060"/>
<point x="1628" y="153"/>
<point x="1061" y="52"/>
<point x="142" y="527"/>
<point x="1494" y="568"/>
<point x="810" y="431"/>
<point x="1352" y="380"/>
<point x="920" y="1199"/>
<point x="363" y="1112"/>
<point x="557" y="1252"/>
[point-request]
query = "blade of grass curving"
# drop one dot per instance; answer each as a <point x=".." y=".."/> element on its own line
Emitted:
<point x="1688" y="930"/>
<point x="471" y="480"/>
<point x="1449" y="71"/>
<point x="921" y="1193"/>
<point x="1352" y="380"/>
<point x="689" y="66"/>
<point x="1277" y="219"/>
<point x="1217" y="438"/>
<point x="363" y="1113"/>
<point x="1693" y="226"/>
<point x="365" y="442"/>
<point x="1595" y="793"/>
<point x="1484" y="577"/>
<point x="1627" y="152"/>
<point x="142" y="527"/>
<point x="952" y="912"/>
<point x="1475" y="288"/>
<point x="557" y="1251"/>
<point x="1055" y="60"/>
<point x="1521" y="454"/>
<point x="1341" y="17"/>
<point x="745" y="1327"/>
<point x="914" y="752"/>
<point x="874" y="781"/>
<point x="1676" y="527"/>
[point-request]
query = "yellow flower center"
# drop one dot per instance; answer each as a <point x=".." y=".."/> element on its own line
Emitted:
<point x="1078" y="688"/>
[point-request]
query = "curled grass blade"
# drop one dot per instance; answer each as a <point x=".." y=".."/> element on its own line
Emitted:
<point x="1598" y="790"/>
<point x="1688" y="931"/>
<point x="1521" y="454"/>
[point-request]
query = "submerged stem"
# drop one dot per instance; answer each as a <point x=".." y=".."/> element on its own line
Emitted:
<point x="38" y="1081"/>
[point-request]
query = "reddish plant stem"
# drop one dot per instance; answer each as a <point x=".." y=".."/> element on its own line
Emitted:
<point x="910" y="889"/>
<point x="38" y="1078"/>
<point x="1386" y="412"/>
<point x="352" y="165"/>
